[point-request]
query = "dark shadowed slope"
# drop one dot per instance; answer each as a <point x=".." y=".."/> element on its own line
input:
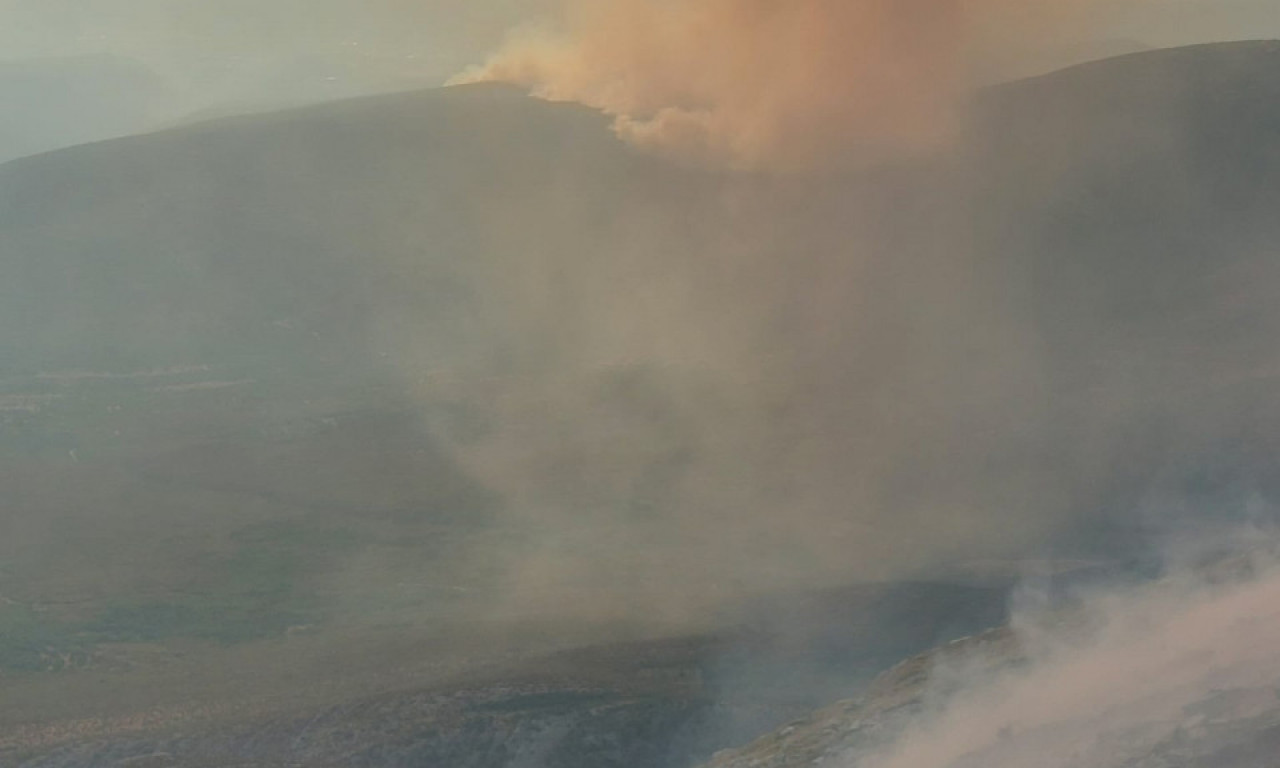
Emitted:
<point x="1134" y="223"/>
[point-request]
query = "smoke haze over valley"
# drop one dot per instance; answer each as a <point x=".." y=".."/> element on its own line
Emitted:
<point x="759" y="348"/>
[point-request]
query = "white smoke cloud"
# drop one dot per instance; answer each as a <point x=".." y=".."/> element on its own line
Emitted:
<point x="1136" y="671"/>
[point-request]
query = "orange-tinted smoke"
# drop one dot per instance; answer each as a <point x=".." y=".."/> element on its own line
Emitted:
<point x="777" y="84"/>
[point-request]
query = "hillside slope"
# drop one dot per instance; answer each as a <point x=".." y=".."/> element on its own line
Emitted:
<point x="460" y="358"/>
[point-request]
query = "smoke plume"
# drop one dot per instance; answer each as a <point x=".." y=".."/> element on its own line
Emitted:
<point x="1180" y="670"/>
<point x="760" y="84"/>
<point x="689" y="386"/>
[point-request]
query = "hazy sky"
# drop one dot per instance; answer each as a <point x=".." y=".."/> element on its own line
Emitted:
<point x="228" y="44"/>
<point x="227" y="50"/>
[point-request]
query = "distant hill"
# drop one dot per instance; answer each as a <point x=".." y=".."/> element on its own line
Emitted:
<point x="210" y="313"/>
<point x="281" y="226"/>
<point x="55" y="103"/>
